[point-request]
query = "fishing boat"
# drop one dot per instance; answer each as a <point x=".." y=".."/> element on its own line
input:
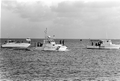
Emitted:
<point x="102" y="44"/>
<point x="49" y="44"/>
<point x="13" y="44"/>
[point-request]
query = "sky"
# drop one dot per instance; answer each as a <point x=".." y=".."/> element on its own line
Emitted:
<point x="68" y="19"/>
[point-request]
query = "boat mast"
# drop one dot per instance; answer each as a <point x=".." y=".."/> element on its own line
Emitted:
<point x="45" y="35"/>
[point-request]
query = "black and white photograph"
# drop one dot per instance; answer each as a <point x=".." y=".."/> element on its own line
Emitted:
<point x="59" y="40"/>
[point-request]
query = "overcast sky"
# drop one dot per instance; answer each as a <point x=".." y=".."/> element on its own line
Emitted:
<point x="63" y="18"/>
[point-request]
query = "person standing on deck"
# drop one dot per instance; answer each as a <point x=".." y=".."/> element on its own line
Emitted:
<point x="63" y="42"/>
<point x="60" y="41"/>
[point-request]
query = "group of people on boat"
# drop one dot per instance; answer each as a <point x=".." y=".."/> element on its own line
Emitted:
<point x="62" y="42"/>
<point x="49" y="40"/>
<point x="39" y="44"/>
<point x="103" y="44"/>
<point x="97" y="43"/>
<point x="13" y="41"/>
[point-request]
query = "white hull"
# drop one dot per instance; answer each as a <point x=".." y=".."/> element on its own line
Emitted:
<point x="16" y="45"/>
<point x="52" y="48"/>
<point x="103" y="47"/>
<point x="93" y="47"/>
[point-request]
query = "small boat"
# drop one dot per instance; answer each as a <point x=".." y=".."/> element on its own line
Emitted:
<point x="102" y="44"/>
<point x="50" y="45"/>
<point x="80" y="39"/>
<point x="12" y="44"/>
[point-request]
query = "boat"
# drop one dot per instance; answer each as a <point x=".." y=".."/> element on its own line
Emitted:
<point x="13" y="44"/>
<point x="102" y="44"/>
<point x="49" y="44"/>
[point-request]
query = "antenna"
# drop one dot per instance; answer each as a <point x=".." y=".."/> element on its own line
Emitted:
<point x="45" y="33"/>
<point x="53" y="36"/>
<point x="45" y="36"/>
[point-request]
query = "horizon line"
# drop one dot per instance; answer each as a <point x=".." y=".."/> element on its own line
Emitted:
<point x="58" y="38"/>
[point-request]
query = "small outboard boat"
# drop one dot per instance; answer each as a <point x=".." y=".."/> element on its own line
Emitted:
<point x="102" y="44"/>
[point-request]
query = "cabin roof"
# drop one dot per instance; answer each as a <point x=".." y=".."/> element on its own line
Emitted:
<point x="100" y="40"/>
<point x="95" y="40"/>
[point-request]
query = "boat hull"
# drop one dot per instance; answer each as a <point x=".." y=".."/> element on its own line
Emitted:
<point x="62" y="48"/>
<point x="103" y="47"/>
<point x="16" y="45"/>
<point x="93" y="47"/>
<point x="110" y="47"/>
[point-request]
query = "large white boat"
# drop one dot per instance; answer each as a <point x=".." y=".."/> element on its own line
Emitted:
<point x="50" y="45"/>
<point x="12" y="44"/>
<point x="102" y="44"/>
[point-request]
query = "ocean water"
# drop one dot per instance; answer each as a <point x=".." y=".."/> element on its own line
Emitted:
<point x="78" y="64"/>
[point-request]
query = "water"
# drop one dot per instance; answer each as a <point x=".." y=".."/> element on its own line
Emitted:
<point x="77" y="64"/>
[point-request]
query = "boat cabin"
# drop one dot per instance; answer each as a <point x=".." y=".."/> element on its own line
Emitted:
<point x="49" y="40"/>
<point x="10" y="41"/>
<point x="100" y="42"/>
